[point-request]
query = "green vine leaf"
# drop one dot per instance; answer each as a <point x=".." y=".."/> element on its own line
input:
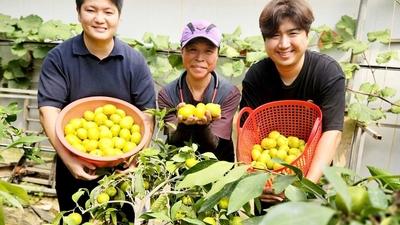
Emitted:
<point x="347" y="24"/>
<point x="369" y="88"/>
<point x="349" y="69"/>
<point x="395" y="109"/>
<point x="7" y="24"/>
<point x="385" y="57"/>
<point x="41" y="52"/>
<point x="54" y="30"/>
<point x="228" y="51"/>
<point x="233" y="69"/>
<point x="388" y="92"/>
<point x="356" y="46"/>
<point x="30" y="24"/>
<point x="382" y="36"/>
<point x="253" y="57"/>
<point x="256" y="43"/>
<point x="19" y="50"/>
<point x="161" y="42"/>
<point x="364" y="114"/>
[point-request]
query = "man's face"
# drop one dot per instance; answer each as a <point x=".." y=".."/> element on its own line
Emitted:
<point x="99" y="19"/>
<point x="288" y="45"/>
<point x="199" y="58"/>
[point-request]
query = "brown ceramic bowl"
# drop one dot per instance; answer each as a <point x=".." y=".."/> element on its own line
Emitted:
<point x="76" y="110"/>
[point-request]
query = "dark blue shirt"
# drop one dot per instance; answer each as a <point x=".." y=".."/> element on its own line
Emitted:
<point x="71" y="72"/>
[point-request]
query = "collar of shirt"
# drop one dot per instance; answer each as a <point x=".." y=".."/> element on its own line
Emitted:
<point x="79" y="47"/>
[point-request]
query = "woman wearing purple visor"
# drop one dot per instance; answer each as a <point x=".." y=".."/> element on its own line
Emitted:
<point x="199" y="83"/>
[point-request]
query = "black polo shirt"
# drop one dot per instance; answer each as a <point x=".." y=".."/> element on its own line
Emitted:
<point x="70" y="72"/>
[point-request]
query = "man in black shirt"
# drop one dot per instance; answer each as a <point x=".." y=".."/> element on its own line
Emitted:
<point x="293" y="72"/>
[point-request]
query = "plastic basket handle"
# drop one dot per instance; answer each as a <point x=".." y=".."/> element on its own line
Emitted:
<point x="241" y="113"/>
<point x="314" y="130"/>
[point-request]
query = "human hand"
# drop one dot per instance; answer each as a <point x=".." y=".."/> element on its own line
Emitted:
<point x="190" y="120"/>
<point x="202" y="118"/>
<point x="128" y="166"/>
<point x="79" y="168"/>
<point x="269" y="196"/>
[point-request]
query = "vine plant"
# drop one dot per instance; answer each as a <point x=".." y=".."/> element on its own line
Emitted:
<point x="11" y="194"/>
<point x="31" y="38"/>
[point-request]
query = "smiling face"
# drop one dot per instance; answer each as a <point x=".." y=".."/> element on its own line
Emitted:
<point x="199" y="58"/>
<point x="99" y="19"/>
<point x="287" y="46"/>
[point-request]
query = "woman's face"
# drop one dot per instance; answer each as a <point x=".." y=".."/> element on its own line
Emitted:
<point x="199" y="58"/>
<point x="99" y="19"/>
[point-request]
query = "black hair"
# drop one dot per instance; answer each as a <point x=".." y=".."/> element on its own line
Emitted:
<point x="117" y="3"/>
<point x="297" y="11"/>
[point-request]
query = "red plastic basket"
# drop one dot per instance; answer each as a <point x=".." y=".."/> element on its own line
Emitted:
<point x="291" y="118"/>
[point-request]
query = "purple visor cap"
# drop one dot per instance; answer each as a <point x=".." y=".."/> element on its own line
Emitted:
<point x="201" y="28"/>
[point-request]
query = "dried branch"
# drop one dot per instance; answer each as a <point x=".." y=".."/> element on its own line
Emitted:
<point x="372" y="95"/>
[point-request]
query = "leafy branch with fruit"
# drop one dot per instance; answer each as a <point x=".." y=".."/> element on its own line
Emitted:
<point x="177" y="185"/>
<point x="10" y="194"/>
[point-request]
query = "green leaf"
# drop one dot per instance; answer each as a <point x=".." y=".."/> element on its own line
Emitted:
<point x="30" y="24"/>
<point x="347" y="24"/>
<point x="161" y="42"/>
<point x="233" y="69"/>
<point x="332" y="175"/>
<point x="77" y="195"/>
<point x="295" y="194"/>
<point x="205" y="176"/>
<point x="214" y="199"/>
<point x="16" y="191"/>
<point x="363" y="113"/>
<point x="349" y="69"/>
<point x="382" y="36"/>
<point x="2" y="218"/>
<point x="150" y="152"/>
<point x="199" y="166"/>
<point x="385" y="57"/>
<point x="26" y="140"/>
<point x="355" y="222"/>
<point x="253" y="57"/>
<point x="395" y="108"/>
<point x="238" y="68"/>
<point x="377" y="197"/>
<point x="233" y="175"/>
<point x="280" y="183"/>
<point x="298" y="213"/>
<point x="54" y="30"/>
<point x="10" y="199"/>
<point x="313" y="188"/>
<point x="356" y="46"/>
<point x="384" y="177"/>
<point x="19" y="50"/>
<point x="156" y="215"/>
<point x="57" y="219"/>
<point x="256" y="43"/>
<point x="7" y="24"/>
<point x="247" y="189"/>
<point x="41" y="52"/>
<point x="227" y="69"/>
<point x="193" y="221"/>
<point x="209" y="155"/>
<point x="388" y="92"/>
<point x="253" y="220"/>
<point x="229" y="51"/>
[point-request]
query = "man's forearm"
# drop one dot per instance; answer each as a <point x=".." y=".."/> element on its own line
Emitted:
<point x="324" y="154"/>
